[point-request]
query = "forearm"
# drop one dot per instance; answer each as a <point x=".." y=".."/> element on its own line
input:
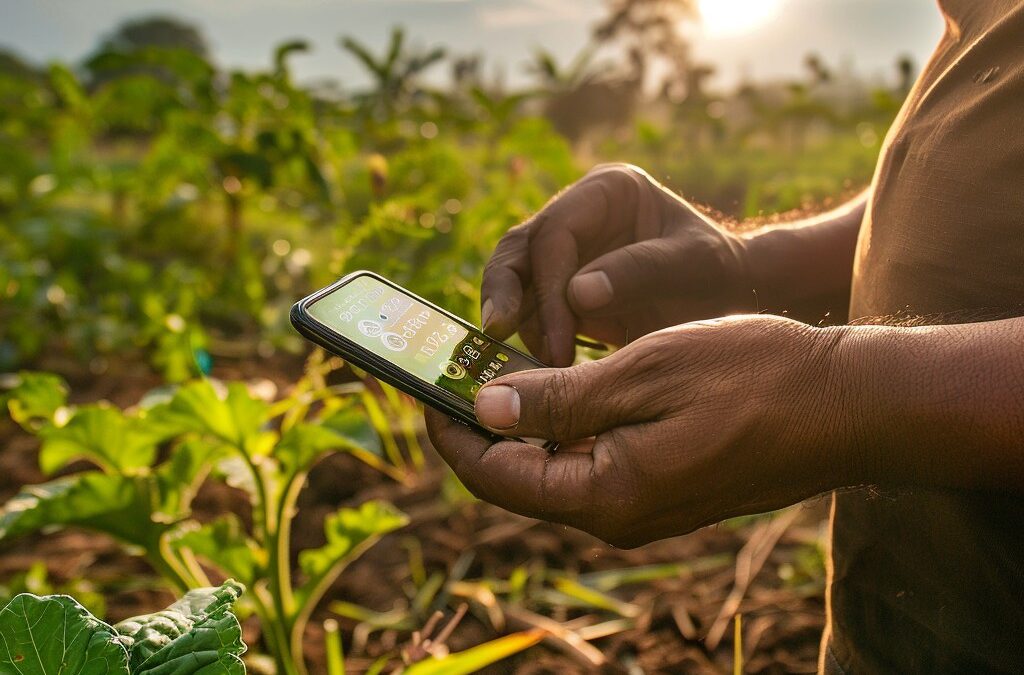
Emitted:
<point x="804" y="269"/>
<point x="939" y="406"/>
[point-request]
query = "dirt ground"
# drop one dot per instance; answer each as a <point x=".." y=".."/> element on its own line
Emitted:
<point x="768" y="569"/>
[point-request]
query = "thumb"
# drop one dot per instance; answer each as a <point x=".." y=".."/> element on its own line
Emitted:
<point x="615" y="282"/>
<point x="558" y="403"/>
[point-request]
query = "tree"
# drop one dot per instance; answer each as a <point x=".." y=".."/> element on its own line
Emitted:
<point x="648" y="30"/>
<point x="161" y="47"/>
<point x="557" y="78"/>
<point x="156" y="31"/>
<point x="395" y="74"/>
<point x="13" y="65"/>
<point x="906" y="72"/>
<point x="819" y="72"/>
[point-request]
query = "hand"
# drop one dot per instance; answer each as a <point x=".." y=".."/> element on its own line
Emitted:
<point x="687" y="426"/>
<point x="615" y="256"/>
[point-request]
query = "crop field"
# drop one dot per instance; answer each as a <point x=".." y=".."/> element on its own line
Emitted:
<point x="163" y="428"/>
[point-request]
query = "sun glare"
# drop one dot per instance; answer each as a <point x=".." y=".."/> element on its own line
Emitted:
<point x="731" y="17"/>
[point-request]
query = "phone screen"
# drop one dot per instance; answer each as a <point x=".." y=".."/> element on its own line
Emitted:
<point x="417" y="338"/>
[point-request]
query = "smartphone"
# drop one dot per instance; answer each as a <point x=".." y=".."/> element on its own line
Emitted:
<point x="413" y="345"/>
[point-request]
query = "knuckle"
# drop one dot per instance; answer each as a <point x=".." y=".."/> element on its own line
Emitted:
<point x="618" y="171"/>
<point x="556" y="399"/>
<point x="620" y="178"/>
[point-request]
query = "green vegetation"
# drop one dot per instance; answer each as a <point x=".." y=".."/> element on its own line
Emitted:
<point x="213" y="433"/>
<point x="159" y="215"/>
<point x="50" y="635"/>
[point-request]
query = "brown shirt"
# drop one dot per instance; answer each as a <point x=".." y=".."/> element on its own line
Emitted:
<point x="933" y="580"/>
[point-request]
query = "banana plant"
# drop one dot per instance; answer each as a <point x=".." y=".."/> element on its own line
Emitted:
<point x="151" y="459"/>
<point x="396" y="73"/>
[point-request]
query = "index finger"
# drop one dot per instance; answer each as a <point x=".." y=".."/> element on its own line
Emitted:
<point x="544" y="253"/>
<point x="506" y="276"/>
<point x="516" y="476"/>
<point x="562" y="236"/>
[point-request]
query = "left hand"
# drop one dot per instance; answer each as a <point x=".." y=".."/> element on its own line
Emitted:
<point x="685" y="427"/>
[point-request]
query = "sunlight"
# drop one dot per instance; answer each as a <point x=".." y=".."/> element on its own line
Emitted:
<point x="731" y="17"/>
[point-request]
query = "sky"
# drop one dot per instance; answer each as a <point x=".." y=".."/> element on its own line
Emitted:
<point x="756" y="38"/>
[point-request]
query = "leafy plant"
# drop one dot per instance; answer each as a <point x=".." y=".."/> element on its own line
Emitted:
<point x="53" y="635"/>
<point x="151" y="459"/>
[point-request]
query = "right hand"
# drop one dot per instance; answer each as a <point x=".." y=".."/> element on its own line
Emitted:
<point x="615" y="256"/>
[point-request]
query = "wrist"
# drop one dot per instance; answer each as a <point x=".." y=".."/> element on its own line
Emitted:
<point x="836" y="416"/>
<point x="899" y="403"/>
<point x="779" y="267"/>
<point x="804" y="269"/>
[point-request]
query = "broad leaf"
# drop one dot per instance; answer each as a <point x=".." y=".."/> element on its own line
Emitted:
<point x="349" y="532"/>
<point x="36" y="397"/>
<point x="236" y="418"/>
<point x="57" y="636"/>
<point x="303" y="444"/>
<point x="180" y="476"/>
<point x="348" y="430"/>
<point x="224" y="543"/>
<point x="479" y="657"/>
<point x="118" y="505"/>
<point x="101" y="434"/>
<point x="197" y="634"/>
<point x="353" y="423"/>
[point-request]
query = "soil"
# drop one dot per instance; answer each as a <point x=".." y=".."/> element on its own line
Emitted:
<point x="782" y="606"/>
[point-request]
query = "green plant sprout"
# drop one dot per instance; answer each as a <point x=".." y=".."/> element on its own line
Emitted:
<point x="150" y="460"/>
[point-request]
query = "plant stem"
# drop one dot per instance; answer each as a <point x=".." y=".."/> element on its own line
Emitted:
<point x="332" y="645"/>
<point x="273" y="633"/>
<point x="380" y="422"/>
<point x="161" y="556"/>
<point x="737" y="647"/>
<point x="289" y="497"/>
<point x="290" y="661"/>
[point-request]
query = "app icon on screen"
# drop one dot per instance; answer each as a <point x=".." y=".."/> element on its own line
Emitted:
<point x="394" y="341"/>
<point x="370" y="328"/>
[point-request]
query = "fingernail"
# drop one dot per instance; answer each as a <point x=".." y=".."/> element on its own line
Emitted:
<point x="486" y="313"/>
<point x="497" y="407"/>
<point x="592" y="290"/>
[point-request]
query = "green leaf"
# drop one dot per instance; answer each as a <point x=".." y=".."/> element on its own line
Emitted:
<point x="118" y="505"/>
<point x="286" y="49"/>
<point x="476" y="658"/>
<point x="179" y="477"/>
<point x="349" y="533"/>
<point x="55" y="635"/>
<point x="303" y="444"/>
<point x="596" y="599"/>
<point x="353" y="423"/>
<point x="102" y="434"/>
<point x="67" y="87"/>
<point x="236" y="418"/>
<point x="36" y="397"/>
<point x="224" y="543"/>
<point x="197" y="634"/>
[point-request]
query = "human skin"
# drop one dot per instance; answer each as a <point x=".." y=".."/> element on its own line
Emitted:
<point x="693" y="423"/>
<point x="617" y="228"/>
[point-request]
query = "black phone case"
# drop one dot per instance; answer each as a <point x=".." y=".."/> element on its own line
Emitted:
<point x="381" y="368"/>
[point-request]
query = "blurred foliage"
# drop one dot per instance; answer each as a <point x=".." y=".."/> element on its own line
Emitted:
<point x="155" y="206"/>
